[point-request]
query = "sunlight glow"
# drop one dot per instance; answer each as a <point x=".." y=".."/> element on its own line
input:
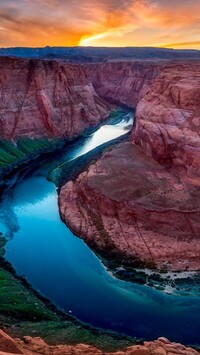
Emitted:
<point x="120" y="23"/>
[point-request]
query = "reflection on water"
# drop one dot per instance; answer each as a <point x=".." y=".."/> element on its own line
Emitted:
<point x="66" y="271"/>
<point x="104" y="134"/>
<point x="8" y="219"/>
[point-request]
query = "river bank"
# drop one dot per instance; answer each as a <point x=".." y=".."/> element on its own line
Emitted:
<point x="39" y="316"/>
<point x="42" y="248"/>
<point x="29" y="345"/>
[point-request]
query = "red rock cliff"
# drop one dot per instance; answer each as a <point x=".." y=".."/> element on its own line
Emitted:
<point x="123" y="82"/>
<point x="46" y="98"/>
<point x="168" y="118"/>
<point x="129" y="206"/>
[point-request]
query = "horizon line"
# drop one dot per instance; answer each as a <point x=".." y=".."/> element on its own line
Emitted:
<point x="162" y="47"/>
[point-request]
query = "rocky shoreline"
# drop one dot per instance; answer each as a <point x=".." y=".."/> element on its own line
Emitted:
<point x="29" y="345"/>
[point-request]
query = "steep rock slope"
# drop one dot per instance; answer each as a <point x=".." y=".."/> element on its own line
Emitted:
<point x="168" y="118"/>
<point x="45" y="98"/>
<point x="123" y="82"/>
<point x="127" y="207"/>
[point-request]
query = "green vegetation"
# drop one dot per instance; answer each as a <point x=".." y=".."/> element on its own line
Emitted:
<point x="2" y="245"/>
<point x="24" y="312"/>
<point x="72" y="332"/>
<point x="14" y="154"/>
<point x="37" y="146"/>
<point x="18" y="302"/>
<point x="115" y="116"/>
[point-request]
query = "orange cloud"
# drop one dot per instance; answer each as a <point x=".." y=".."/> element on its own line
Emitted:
<point x="105" y="23"/>
<point x="147" y="15"/>
<point x="188" y="45"/>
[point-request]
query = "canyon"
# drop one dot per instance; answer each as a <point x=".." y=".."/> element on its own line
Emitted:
<point x="55" y="99"/>
<point x="138" y="205"/>
<point x="168" y="118"/>
<point x="123" y="83"/>
<point x="46" y="99"/>
<point x="123" y="204"/>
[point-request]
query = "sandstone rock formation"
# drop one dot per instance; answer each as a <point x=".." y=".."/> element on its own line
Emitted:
<point x="127" y="207"/>
<point x="48" y="98"/>
<point x="45" y="98"/>
<point x="168" y="118"/>
<point x="9" y="345"/>
<point x="29" y="346"/>
<point x="123" y="82"/>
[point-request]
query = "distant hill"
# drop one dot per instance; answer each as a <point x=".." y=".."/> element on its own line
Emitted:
<point x="100" y="54"/>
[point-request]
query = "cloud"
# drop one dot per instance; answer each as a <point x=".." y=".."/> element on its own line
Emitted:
<point x="21" y="29"/>
<point x="195" y="44"/>
<point x="102" y="22"/>
<point x="150" y="15"/>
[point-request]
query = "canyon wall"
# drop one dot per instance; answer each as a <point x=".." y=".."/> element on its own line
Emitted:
<point x="168" y="118"/>
<point x="128" y="205"/>
<point x="167" y="101"/>
<point x="123" y="82"/>
<point x="45" y="98"/>
<point x="49" y="98"/>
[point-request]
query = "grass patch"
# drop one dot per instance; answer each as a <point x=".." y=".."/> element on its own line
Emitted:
<point x="24" y="312"/>
<point x="72" y="333"/>
<point x="18" y="302"/>
<point x="14" y="154"/>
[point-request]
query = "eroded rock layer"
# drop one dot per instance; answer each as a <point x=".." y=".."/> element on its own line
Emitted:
<point x="131" y="208"/>
<point x="49" y="98"/>
<point x="45" y="98"/>
<point x="29" y="346"/>
<point x="168" y="118"/>
<point x="123" y="82"/>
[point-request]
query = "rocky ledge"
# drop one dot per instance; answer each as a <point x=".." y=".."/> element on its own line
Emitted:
<point x="130" y="208"/>
<point x="168" y="118"/>
<point x="28" y="346"/>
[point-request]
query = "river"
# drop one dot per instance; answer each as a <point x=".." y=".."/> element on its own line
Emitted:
<point x="61" y="266"/>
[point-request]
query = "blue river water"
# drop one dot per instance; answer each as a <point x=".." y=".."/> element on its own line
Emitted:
<point x="62" y="268"/>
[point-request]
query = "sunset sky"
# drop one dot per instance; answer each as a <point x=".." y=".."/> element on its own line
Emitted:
<point x="161" y="23"/>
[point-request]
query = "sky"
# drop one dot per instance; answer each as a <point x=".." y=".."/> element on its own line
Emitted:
<point x="157" y="23"/>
